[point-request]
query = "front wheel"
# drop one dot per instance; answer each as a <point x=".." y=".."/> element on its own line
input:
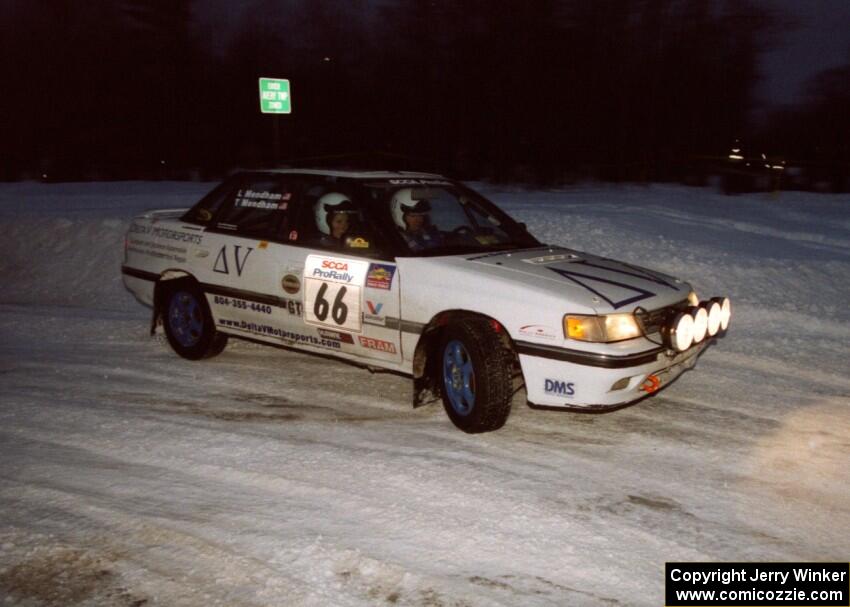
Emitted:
<point x="475" y="376"/>
<point x="188" y="323"/>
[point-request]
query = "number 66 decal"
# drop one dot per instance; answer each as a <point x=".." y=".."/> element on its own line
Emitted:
<point x="332" y="288"/>
<point x="339" y="311"/>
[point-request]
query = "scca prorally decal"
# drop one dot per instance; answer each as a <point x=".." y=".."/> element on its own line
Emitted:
<point x="240" y="257"/>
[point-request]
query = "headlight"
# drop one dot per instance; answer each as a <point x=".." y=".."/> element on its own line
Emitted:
<point x="700" y="323"/>
<point x="606" y="328"/>
<point x="714" y="317"/>
<point x="722" y="309"/>
<point x="725" y="313"/>
<point x="682" y="333"/>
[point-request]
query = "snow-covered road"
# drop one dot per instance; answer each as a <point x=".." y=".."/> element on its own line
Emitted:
<point x="268" y="477"/>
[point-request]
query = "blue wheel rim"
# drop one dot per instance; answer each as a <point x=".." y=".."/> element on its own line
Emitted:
<point x="459" y="377"/>
<point x="186" y="319"/>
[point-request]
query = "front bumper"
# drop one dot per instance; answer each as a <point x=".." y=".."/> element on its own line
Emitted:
<point x="569" y="379"/>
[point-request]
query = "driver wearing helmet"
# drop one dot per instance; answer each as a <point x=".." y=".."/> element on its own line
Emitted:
<point x="411" y="213"/>
<point x="333" y="213"/>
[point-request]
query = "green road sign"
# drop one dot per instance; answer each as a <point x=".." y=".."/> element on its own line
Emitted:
<point x="274" y="96"/>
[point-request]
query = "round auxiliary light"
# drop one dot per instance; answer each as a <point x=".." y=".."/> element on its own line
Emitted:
<point x="714" y="317"/>
<point x="682" y="333"/>
<point x="700" y="323"/>
<point x="725" y="313"/>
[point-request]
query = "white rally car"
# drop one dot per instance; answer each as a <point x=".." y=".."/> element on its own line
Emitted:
<point x="415" y="273"/>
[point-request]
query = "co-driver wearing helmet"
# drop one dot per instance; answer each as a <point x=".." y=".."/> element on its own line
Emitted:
<point x="333" y="212"/>
<point x="412" y="215"/>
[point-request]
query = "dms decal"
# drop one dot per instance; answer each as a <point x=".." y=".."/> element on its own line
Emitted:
<point x="377" y="344"/>
<point x="559" y="388"/>
<point x="222" y="266"/>
<point x="380" y="276"/>
<point x="575" y="275"/>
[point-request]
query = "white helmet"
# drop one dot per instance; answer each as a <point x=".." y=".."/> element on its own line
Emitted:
<point x="404" y="202"/>
<point x="332" y="202"/>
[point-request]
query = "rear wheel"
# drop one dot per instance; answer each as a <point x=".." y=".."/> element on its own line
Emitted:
<point x="188" y="323"/>
<point x="475" y="376"/>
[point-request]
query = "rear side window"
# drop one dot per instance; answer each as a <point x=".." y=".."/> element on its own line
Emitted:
<point x="259" y="208"/>
<point x="204" y="211"/>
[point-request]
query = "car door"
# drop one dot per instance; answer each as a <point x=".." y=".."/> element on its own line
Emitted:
<point x="349" y="292"/>
<point x="241" y="259"/>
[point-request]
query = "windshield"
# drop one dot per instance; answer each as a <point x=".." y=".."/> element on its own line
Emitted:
<point x="436" y="217"/>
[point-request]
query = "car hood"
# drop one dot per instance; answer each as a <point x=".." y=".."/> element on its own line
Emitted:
<point x="610" y="285"/>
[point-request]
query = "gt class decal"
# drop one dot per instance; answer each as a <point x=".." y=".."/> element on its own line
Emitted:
<point x="332" y="289"/>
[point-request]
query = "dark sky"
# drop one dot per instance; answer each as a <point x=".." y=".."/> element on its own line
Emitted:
<point x="818" y="39"/>
<point x="816" y="36"/>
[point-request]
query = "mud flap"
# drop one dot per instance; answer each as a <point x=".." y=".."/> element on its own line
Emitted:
<point x="425" y="392"/>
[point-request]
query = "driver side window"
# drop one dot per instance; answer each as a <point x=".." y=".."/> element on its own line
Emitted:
<point x="332" y="218"/>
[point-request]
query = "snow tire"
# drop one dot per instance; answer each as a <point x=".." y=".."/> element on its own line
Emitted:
<point x="188" y="322"/>
<point x="474" y="372"/>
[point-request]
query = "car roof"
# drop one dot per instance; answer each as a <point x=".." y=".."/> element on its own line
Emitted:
<point x="353" y="173"/>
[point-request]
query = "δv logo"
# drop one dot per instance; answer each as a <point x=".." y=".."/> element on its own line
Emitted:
<point x="373" y="307"/>
<point x="560" y="388"/>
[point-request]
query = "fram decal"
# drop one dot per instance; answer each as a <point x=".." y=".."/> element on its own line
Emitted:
<point x="380" y="276"/>
<point x="222" y="266"/>
<point x="559" y="388"/>
<point x="377" y="344"/>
